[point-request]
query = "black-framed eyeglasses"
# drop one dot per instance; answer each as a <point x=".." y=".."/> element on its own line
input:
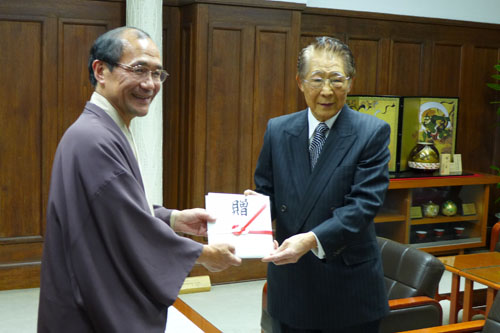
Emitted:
<point x="141" y="72"/>
<point x="336" y="81"/>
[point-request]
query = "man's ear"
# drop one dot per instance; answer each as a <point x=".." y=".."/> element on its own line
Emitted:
<point x="350" y="85"/>
<point x="299" y="82"/>
<point x="98" y="66"/>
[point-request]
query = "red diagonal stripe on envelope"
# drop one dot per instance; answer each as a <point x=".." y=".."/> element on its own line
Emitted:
<point x="250" y="221"/>
<point x="262" y="232"/>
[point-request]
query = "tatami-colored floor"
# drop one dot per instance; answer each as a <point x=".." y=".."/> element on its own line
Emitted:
<point x="233" y="308"/>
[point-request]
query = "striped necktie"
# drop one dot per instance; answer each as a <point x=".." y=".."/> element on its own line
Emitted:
<point x="317" y="143"/>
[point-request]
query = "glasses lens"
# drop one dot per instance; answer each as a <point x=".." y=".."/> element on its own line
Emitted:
<point x="338" y="81"/>
<point x="163" y="75"/>
<point x="316" y="83"/>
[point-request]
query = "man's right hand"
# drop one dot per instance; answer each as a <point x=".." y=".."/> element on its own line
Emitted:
<point x="218" y="257"/>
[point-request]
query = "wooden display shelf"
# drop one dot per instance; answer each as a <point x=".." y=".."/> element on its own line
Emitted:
<point x="444" y="219"/>
<point x="472" y="178"/>
<point x="394" y="219"/>
<point x="382" y="218"/>
<point x="447" y="245"/>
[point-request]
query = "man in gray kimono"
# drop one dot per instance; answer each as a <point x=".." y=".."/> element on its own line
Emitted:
<point x="111" y="261"/>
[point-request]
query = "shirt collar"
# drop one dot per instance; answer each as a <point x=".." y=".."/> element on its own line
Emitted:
<point x="313" y="122"/>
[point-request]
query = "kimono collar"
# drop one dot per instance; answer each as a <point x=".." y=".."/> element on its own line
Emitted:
<point x="104" y="104"/>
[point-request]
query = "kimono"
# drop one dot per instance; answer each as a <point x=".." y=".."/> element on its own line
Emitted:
<point x="108" y="264"/>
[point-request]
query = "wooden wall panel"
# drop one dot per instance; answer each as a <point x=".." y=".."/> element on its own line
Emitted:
<point x="271" y="80"/>
<point x="406" y="68"/>
<point x="43" y="89"/>
<point x="445" y="72"/>
<point x="237" y="71"/>
<point x="171" y="107"/>
<point x="24" y="146"/>
<point x="477" y="118"/>
<point x="185" y="134"/>
<point x="76" y="38"/>
<point x="226" y="76"/>
<point x="366" y="57"/>
<point x="21" y="140"/>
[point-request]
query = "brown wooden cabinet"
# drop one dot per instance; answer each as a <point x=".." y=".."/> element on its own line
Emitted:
<point x="395" y="221"/>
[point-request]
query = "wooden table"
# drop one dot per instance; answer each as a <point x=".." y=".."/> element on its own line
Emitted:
<point x="489" y="276"/>
<point x="478" y="267"/>
<point x="195" y="317"/>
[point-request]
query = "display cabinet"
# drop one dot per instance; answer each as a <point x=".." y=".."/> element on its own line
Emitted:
<point x="403" y="215"/>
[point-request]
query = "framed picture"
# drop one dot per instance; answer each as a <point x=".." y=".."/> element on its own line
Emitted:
<point x="428" y="119"/>
<point x="387" y="108"/>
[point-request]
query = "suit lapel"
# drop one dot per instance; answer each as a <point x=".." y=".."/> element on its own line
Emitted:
<point x="337" y="145"/>
<point x="298" y="152"/>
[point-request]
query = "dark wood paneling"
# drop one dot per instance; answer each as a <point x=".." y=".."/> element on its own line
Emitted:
<point x="171" y="107"/>
<point x="366" y="56"/>
<point x="237" y="71"/>
<point x="240" y="74"/>
<point x="228" y="109"/>
<point x="21" y="139"/>
<point x="19" y="276"/>
<point x="477" y="119"/>
<point x="44" y="88"/>
<point x="271" y="78"/>
<point x="406" y="68"/>
<point x="445" y="73"/>
<point x="25" y="251"/>
<point x="185" y="134"/>
<point x="76" y="38"/>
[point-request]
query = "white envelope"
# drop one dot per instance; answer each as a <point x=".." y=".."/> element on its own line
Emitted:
<point x="243" y="221"/>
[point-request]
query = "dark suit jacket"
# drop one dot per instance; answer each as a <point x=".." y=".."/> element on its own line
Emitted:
<point x="338" y="202"/>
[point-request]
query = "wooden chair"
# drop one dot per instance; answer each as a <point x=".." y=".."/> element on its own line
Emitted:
<point x="490" y="325"/>
<point x="495" y="239"/>
<point x="412" y="278"/>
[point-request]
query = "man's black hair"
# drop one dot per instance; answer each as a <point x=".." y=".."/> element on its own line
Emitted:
<point x="109" y="48"/>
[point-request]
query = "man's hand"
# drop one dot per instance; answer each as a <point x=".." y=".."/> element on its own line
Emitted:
<point x="251" y="192"/>
<point x="191" y="221"/>
<point x="218" y="257"/>
<point x="292" y="249"/>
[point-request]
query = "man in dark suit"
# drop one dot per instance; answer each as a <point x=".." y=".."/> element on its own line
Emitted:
<point x="325" y="170"/>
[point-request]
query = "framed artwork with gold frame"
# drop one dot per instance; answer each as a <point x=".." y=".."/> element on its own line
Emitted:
<point x="387" y="108"/>
<point x="428" y="119"/>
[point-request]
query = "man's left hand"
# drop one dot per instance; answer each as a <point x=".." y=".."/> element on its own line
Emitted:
<point x="292" y="249"/>
<point x="192" y="221"/>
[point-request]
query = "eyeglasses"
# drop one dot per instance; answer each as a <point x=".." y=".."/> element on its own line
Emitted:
<point x="337" y="81"/>
<point x="141" y="72"/>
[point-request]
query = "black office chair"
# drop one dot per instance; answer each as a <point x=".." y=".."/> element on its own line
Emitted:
<point x="412" y="278"/>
